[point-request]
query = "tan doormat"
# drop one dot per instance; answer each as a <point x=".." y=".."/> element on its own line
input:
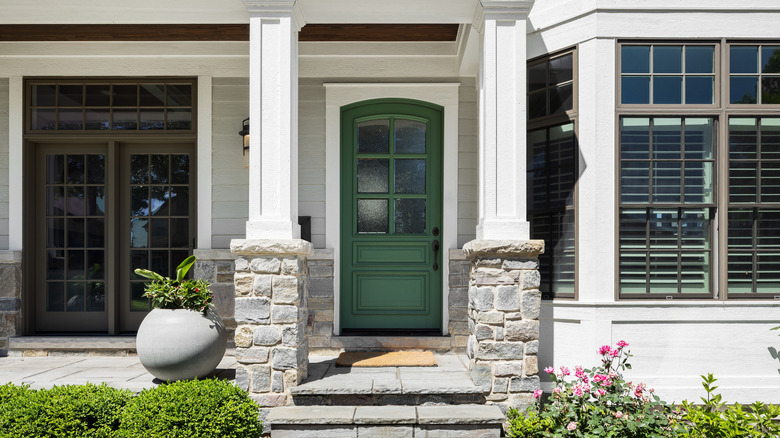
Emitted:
<point x="386" y="359"/>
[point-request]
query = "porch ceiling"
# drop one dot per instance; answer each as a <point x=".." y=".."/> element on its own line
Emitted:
<point x="231" y="11"/>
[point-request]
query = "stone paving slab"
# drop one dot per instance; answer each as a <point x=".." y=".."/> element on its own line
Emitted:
<point x="459" y="414"/>
<point x="385" y="415"/>
<point x="311" y="415"/>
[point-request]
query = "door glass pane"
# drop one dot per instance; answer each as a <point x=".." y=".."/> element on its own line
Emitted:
<point x="75" y="260"/>
<point x="159" y="167"/>
<point x="139" y="233"/>
<point x="409" y="176"/>
<point x="95" y="232"/>
<point x="159" y="233"/>
<point x="55" y="265"/>
<point x="75" y="297"/>
<point x="55" y="201"/>
<point x="409" y="137"/>
<point x="373" y="136"/>
<point x="137" y="301"/>
<point x="96" y="201"/>
<point x="409" y="216"/>
<point x="75" y="233"/>
<point x="372" y="175"/>
<point x="158" y="202"/>
<point x="139" y="201"/>
<point x="96" y="296"/>
<point x="55" y="296"/>
<point x="180" y="200"/>
<point x="180" y="169"/>
<point x="95" y="262"/>
<point x="75" y="200"/>
<point x="75" y="169"/>
<point x="372" y="216"/>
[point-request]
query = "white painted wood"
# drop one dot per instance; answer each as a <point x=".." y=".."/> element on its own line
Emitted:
<point x="339" y="94"/>
<point x="15" y="168"/>
<point x="4" y="163"/>
<point x="204" y="161"/>
<point x="273" y="123"/>
<point x="502" y="115"/>
<point x="672" y="343"/>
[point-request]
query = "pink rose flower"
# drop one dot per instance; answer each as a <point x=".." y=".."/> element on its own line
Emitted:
<point x="622" y="344"/>
<point x="549" y="370"/>
<point x="604" y="349"/>
<point x="537" y="393"/>
<point x="577" y="391"/>
<point x="614" y="353"/>
<point x="565" y="371"/>
<point x="601" y="391"/>
<point x="557" y="390"/>
<point x="619" y="414"/>
<point x="572" y="425"/>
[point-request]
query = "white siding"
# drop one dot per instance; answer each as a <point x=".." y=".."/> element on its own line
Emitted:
<point x="3" y="163"/>
<point x="230" y="191"/>
<point x="311" y="156"/>
<point x="468" y="148"/>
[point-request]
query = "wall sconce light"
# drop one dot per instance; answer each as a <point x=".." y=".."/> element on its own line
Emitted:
<point x="244" y="133"/>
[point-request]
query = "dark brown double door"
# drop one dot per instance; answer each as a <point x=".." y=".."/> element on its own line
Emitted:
<point x="102" y="210"/>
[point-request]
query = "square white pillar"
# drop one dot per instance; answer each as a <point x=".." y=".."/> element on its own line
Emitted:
<point x="502" y="119"/>
<point x="273" y="119"/>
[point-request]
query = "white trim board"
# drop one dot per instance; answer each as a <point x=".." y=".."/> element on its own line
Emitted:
<point x="338" y="95"/>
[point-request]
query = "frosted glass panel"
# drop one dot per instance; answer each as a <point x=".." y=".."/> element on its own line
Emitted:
<point x="372" y="216"/>
<point x="373" y="136"/>
<point x="409" y="137"/>
<point x="409" y="176"/>
<point x="372" y="175"/>
<point x="409" y="216"/>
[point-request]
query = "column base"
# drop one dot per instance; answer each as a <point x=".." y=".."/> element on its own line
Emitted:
<point x="271" y="313"/>
<point x="495" y="229"/>
<point x="503" y="308"/>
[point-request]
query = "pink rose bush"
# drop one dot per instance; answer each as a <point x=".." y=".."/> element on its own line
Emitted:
<point x="595" y="402"/>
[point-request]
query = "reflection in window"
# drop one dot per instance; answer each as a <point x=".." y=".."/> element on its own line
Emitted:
<point x="551" y="86"/>
<point x="754" y="74"/>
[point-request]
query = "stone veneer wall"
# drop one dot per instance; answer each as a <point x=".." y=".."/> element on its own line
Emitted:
<point x="217" y="266"/>
<point x="504" y="303"/>
<point x="320" y="299"/>
<point x="459" y="299"/>
<point x="10" y="297"/>
<point x="271" y="314"/>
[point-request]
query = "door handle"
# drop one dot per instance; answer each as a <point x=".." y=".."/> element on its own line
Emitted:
<point x="435" y="248"/>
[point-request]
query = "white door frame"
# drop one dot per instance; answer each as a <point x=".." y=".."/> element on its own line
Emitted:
<point x="338" y="95"/>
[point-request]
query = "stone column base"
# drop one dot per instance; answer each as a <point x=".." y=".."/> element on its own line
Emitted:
<point x="10" y="297"/>
<point x="503" y="307"/>
<point x="271" y="313"/>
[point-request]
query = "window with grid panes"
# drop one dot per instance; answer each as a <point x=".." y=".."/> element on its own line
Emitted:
<point x="552" y="169"/>
<point x="754" y="74"/>
<point x="667" y="205"/>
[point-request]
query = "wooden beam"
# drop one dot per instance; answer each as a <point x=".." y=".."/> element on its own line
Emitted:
<point x="124" y="32"/>
<point x="379" y="32"/>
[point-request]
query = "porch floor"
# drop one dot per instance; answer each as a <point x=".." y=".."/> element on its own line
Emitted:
<point x="118" y="372"/>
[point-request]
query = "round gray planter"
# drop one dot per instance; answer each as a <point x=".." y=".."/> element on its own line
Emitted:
<point x="179" y="344"/>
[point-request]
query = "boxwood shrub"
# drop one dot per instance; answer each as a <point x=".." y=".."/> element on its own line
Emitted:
<point x="63" y="411"/>
<point x="197" y="408"/>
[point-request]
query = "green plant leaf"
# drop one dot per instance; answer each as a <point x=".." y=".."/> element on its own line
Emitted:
<point x="183" y="267"/>
<point x="149" y="274"/>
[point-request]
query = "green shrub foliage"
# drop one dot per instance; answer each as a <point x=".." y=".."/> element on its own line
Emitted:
<point x="63" y="411"/>
<point x="205" y="408"/>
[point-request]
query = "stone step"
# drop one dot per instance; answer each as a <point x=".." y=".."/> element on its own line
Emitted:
<point x="463" y="421"/>
<point x="446" y="383"/>
<point x="39" y="346"/>
<point x="384" y="343"/>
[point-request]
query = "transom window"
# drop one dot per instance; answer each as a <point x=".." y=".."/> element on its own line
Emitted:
<point x="110" y="105"/>
<point x="667" y="74"/>
<point x="551" y="85"/>
<point x="754" y="74"/>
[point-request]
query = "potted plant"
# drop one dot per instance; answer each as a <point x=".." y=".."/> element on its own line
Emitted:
<point x="182" y="337"/>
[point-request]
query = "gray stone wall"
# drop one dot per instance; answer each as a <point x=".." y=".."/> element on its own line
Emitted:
<point x="458" y="299"/>
<point x="320" y="300"/>
<point x="503" y="305"/>
<point x="217" y="266"/>
<point x="271" y="314"/>
<point x="10" y="297"/>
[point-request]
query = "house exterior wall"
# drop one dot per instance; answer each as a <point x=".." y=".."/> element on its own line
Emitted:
<point x="3" y="163"/>
<point x="673" y="341"/>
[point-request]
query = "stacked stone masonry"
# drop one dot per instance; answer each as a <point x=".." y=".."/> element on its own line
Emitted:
<point x="217" y="267"/>
<point x="503" y="317"/>
<point x="271" y="317"/>
<point x="458" y="299"/>
<point x="10" y="297"/>
<point x="320" y="299"/>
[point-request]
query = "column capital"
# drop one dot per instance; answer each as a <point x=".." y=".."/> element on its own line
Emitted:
<point x="506" y="9"/>
<point x="275" y="8"/>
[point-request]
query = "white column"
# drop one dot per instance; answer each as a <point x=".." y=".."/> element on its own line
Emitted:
<point x="502" y="119"/>
<point x="273" y="119"/>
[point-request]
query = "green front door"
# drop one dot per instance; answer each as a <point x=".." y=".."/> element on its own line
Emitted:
<point x="391" y="215"/>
